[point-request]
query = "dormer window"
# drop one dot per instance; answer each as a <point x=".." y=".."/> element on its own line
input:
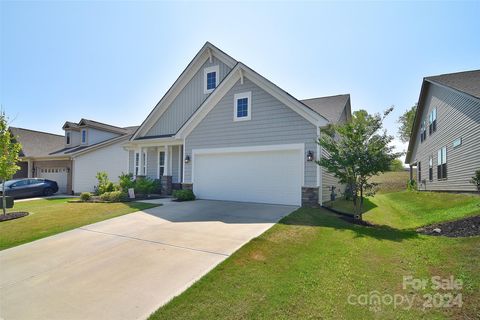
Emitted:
<point x="67" y="137"/>
<point x="210" y="79"/>
<point x="84" y="135"/>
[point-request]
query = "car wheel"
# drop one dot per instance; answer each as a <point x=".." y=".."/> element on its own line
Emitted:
<point x="48" y="192"/>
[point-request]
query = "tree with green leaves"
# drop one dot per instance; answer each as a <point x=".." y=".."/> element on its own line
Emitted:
<point x="406" y="124"/>
<point x="476" y="180"/>
<point x="356" y="151"/>
<point x="396" y="165"/>
<point x="9" y="156"/>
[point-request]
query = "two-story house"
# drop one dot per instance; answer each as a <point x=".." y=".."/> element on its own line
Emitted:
<point x="74" y="159"/>
<point x="228" y="133"/>
<point x="445" y="140"/>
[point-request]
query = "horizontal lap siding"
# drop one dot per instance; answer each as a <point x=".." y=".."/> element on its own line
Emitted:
<point x="329" y="180"/>
<point x="152" y="162"/>
<point x="272" y="123"/>
<point x="131" y="159"/>
<point x="175" y="164"/>
<point x="458" y="116"/>
<point x="187" y="101"/>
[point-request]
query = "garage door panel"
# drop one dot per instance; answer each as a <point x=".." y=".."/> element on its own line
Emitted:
<point x="265" y="177"/>
<point x="59" y="175"/>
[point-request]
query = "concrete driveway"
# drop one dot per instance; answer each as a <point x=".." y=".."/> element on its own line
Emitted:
<point x="126" y="267"/>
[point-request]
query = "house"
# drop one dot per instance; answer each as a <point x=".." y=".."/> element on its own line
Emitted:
<point x="228" y="133"/>
<point x="73" y="160"/>
<point x="445" y="140"/>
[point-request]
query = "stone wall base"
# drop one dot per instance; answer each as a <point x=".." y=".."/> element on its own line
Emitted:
<point x="187" y="186"/>
<point x="310" y="197"/>
<point x="166" y="185"/>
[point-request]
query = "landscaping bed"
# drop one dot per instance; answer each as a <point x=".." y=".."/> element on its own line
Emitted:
<point x="466" y="227"/>
<point x="12" y="215"/>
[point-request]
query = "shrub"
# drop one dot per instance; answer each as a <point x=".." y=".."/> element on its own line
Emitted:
<point x="104" y="185"/>
<point x="476" y="180"/>
<point x="411" y="185"/>
<point x="184" y="195"/>
<point x="145" y="185"/>
<point x="113" y="196"/>
<point x="85" y="196"/>
<point x="126" y="181"/>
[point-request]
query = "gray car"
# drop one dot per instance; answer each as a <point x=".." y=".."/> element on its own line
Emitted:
<point x="23" y="188"/>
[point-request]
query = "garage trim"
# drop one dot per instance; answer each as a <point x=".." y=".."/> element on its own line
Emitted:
<point x="294" y="146"/>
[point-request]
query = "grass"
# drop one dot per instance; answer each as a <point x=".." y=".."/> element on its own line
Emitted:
<point x="51" y="216"/>
<point x="393" y="181"/>
<point x="309" y="264"/>
<point x="406" y="210"/>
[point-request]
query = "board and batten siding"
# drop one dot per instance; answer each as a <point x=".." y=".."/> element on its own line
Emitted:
<point x="111" y="159"/>
<point x="458" y="116"/>
<point x="152" y="162"/>
<point x="95" y="136"/>
<point x="187" y="101"/>
<point x="272" y="123"/>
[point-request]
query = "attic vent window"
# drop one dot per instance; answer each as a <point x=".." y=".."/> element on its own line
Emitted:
<point x="210" y="78"/>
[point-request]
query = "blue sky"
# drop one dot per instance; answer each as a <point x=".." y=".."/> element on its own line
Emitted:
<point x="112" y="61"/>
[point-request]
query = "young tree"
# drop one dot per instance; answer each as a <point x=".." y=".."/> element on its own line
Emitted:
<point x="396" y="165"/>
<point x="8" y="157"/>
<point x="476" y="180"/>
<point x="356" y="151"/>
<point x="406" y="123"/>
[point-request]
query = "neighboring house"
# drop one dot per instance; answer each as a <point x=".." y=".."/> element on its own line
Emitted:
<point x="74" y="159"/>
<point x="445" y="140"/>
<point x="231" y="134"/>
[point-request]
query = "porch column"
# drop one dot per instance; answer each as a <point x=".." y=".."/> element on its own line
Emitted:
<point x="140" y="162"/>
<point x="29" y="168"/>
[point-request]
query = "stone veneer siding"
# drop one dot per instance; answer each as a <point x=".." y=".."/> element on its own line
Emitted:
<point x="310" y="196"/>
<point x="166" y="185"/>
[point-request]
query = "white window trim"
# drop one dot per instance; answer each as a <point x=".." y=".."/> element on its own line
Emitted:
<point x="136" y="165"/>
<point x="81" y="136"/>
<point x="242" y="95"/>
<point x="161" y="166"/>
<point x="144" y="164"/>
<point x="215" y="69"/>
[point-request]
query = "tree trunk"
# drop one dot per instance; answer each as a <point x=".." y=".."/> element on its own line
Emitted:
<point x="4" y="200"/>
<point x="361" y="203"/>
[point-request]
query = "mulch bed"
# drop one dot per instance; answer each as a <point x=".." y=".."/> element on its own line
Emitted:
<point x="348" y="217"/>
<point x="12" y="215"/>
<point x="466" y="227"/>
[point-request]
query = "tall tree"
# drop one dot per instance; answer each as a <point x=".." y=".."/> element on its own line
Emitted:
<point x="406" y="123"/>
<point x="8" y="157"/>
<point x="357" y="150"/>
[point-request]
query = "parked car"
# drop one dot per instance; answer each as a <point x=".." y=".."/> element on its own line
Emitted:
<point x="23" y="188"/>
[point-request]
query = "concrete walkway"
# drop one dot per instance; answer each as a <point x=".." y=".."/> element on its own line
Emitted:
<point x="126" y="267"/>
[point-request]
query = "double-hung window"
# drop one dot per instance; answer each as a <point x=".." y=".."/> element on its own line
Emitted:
<point x="419" y="172"/>
<point x="432" y="125"/>
<point x="430" y="168"/>
<point x="442" y="164"/>
<point x="67" y="136"/>
<point x="242" y="106"/>
<point x="137" y="163"/>
<point x="210" y="79"/>
<point x="423" y="131"/>
<point x="161" y="163"/>
<point x="84" y="135"/>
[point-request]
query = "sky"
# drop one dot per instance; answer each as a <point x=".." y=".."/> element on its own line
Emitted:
<point x="112" y="61"/>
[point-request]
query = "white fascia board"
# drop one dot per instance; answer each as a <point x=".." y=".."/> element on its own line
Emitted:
<point x="260" y="81"/>
<point x="193" y="67"/>
<point x="159" y="142"/>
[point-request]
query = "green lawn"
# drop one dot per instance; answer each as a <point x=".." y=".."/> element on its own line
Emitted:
<point x="392" y="181"/>
<point x="51" y="216"/>
<point x="309" y="264"/>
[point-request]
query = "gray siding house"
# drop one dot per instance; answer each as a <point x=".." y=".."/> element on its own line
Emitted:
<point x="228" y="133"/>
<point x="445" y="140"/>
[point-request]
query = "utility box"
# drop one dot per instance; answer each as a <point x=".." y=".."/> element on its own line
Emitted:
<point x="9" y="201"/>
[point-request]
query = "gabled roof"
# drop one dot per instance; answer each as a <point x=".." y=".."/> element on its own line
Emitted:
<point x="467" y="81"/>
<point x="37" y="143"/>
<point x="78" y="150"/>
<point x="330" y="107"/>
<point x="94" y="124"/>
<point x="206" y="52"/>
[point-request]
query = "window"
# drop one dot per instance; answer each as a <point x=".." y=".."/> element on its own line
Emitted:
<point x="419" y="172"/>
<point x="210" y="79"/>
<point x="68" y="137"/>
<point x="423" y="131"/>
<point x="432" y="127"/>
<point x="161" y="163"/>
<point x="84" y="135"/>
<point x="144" y="171"/>
<point x="242" y="106"/>
<point x="442" y="164"/>
<point x="137" y="163"/>
<point x="457" y="142"/>
<point x="430" y="168"/>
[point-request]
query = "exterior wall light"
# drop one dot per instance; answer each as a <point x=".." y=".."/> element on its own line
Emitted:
<point x="310" y="155"/>
<point x="187" y="158"/>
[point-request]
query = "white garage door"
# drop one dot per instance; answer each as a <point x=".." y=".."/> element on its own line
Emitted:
<point x="55" y="174"/>
<point x="250" y="176"/>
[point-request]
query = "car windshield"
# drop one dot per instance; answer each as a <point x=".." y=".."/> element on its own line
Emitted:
<point x="9" y="183"/>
